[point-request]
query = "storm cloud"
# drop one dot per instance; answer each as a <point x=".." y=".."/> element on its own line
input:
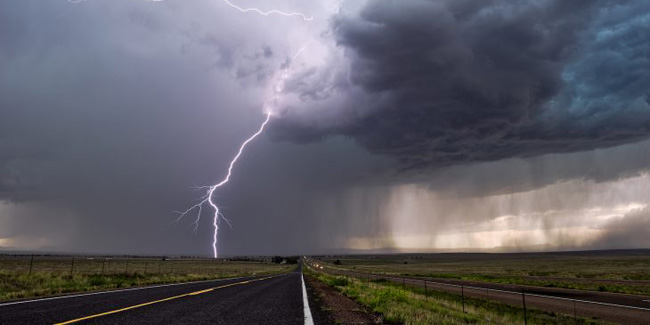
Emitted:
<point x="410" y="124"/>
<point x="436" y="83"/>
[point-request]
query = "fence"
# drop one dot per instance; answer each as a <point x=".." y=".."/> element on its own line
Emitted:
<point x="31" y="264"/>
<point x="578" y="308"/>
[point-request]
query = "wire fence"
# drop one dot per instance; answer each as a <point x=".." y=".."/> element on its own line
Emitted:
<point x="578" y="308"/>
<point x="33" y="264"/>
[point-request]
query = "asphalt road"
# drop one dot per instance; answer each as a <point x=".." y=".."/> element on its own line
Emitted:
<point x="251" y="300"/>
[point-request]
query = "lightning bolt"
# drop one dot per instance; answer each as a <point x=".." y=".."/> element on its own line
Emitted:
<point x="270" y="12"/>
<point x="242" y="9"/>
<point x="208" y="198"/>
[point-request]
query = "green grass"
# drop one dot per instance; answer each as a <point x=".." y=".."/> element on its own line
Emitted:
<point x="572" y="271"/>
<point x="55" y="275"/>
<point x="410" y="306"/>
<point x="555" y="283"/>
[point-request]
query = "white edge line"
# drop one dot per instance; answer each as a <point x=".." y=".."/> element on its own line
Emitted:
<point x="308" y="319"/>
<point x="115" y="291"/>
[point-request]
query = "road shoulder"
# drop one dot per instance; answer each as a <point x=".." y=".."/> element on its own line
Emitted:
<point x="328" y="306"/>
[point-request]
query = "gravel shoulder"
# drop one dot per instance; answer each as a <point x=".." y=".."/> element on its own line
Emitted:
<point x="329" y="306"/>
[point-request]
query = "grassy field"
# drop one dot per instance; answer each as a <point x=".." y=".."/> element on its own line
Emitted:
<point x="410" y="305"/>
<point x="608" y="271"/>
<point x="52" y="275"/>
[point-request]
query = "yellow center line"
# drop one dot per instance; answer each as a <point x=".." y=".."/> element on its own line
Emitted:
<point x="162" y="300"/>
<point x="200" y="292"/>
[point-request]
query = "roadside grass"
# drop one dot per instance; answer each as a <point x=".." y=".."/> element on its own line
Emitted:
<point x="410" y="306"/>
<point x="555" y="283"/>
<point x="25" y="264"/>
<point x="18" y="286"/>
<point x="578" y="271"/>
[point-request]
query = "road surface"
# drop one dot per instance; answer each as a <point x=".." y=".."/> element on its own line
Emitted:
<point x="253" y="300"/>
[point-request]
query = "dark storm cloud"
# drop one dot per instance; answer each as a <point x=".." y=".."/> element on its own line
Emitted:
<point x="435" y="83"/>
<point x="110" y="110"/>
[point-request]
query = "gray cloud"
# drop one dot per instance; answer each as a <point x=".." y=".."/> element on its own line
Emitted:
<point x="111" y="110"/>
<point x="436" y="83"/>
<point x="628" y="231"/>
<point x="524" y="174"/>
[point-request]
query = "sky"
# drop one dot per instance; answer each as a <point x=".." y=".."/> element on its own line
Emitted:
<point x="419" y="125"/>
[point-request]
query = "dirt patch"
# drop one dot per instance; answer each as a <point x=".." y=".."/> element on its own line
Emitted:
<point x="332" y="307"/>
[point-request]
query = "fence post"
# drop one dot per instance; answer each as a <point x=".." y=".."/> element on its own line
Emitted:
<point x="72" y="266"/>
<point x="126" y="268"/>
<point x="103" y="265"/>
<point x="462" y="296"/>
<point x="426" y="294"/>
<point x="31" y="262"/>
<point x="523" y="298"/>
<point x="145" y="267"/>
<point x="159" y="266"/>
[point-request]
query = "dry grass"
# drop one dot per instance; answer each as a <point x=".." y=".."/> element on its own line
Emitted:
<point x="599" y="272"/>
<point x="53" y="275"/>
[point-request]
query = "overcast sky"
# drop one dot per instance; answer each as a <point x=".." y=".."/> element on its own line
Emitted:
<point x="400" y="125"/>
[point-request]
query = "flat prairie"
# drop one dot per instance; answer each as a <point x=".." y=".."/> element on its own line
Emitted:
<point x="25" y="276"/>
<point x="619" y="271"/>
